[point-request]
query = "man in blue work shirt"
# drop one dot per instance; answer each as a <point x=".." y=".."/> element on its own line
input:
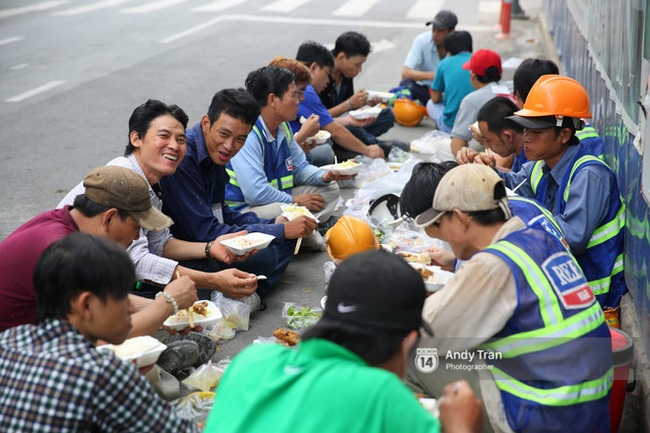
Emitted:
<point x="195" y="194"/>
<point x="577" y="187"/>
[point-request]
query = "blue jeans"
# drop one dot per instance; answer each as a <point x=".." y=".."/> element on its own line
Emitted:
<point x="418" y="91"/>
<point x="272" y="261"/>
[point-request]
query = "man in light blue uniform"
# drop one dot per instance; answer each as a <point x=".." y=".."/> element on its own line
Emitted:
<point x="425" y="54"/>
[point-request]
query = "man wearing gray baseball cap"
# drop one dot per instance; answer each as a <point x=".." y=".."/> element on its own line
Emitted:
<point x="425" y="54"/>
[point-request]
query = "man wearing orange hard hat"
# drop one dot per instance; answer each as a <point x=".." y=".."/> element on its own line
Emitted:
<point x="576" y="186"/>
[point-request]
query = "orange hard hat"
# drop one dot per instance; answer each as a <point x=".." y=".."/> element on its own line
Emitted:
<point x="556" y="95"/>
<point x="350" y="235"/>
<point x="408" y="113"/>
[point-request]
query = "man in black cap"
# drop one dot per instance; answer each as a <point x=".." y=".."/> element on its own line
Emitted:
<point x="426" y="52"/>
<point x="345" y="375"/>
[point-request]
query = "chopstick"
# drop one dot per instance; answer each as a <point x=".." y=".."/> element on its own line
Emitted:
<point x="295" y="251"/>
<point x="189" y="312"/>
<point x="517" y="187"/>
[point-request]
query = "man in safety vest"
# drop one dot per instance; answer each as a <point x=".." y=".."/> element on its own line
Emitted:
<point x="577" y="187"/>
<point x="518" y="314"/>
<point x="271" y="169"/>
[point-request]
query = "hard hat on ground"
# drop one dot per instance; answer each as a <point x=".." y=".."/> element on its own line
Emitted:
<point x="349" y="236"/>
<point x="408" y="112"/>
<point x="553" y="98"/>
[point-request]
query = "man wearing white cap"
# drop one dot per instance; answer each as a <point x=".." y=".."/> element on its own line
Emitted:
<point x="519" y="310"/>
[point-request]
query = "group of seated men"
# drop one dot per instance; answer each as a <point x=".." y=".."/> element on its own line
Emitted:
<point x="517" y="275"/>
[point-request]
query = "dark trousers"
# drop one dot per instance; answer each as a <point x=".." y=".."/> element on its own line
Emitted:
<point x="418" y="91"/>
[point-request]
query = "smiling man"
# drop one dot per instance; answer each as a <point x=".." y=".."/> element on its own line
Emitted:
<point x="157" y="145"/>
<point x="195" y="194"/>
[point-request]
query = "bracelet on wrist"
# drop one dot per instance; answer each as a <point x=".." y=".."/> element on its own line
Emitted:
<point x="170" y="299"/>
<point x="349" y="104"/>
<point x="207" y="250"/>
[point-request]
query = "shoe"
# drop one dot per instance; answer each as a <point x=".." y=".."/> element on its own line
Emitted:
<point x="178" y="356"/>
<point x="389" y="144"/>
<point x="324" y="227"/>
<point x="207" y="347"/>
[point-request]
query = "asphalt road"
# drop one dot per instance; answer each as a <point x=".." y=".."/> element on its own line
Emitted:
<point x="71" y="73"/>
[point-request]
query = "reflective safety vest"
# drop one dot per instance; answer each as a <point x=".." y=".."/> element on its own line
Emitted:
<point x="278" y="166"/>
<point x="602" y="261"/>
<point x="552" y="360"/>
<point x="535" y="215"/>
<point x="590" y="139"/>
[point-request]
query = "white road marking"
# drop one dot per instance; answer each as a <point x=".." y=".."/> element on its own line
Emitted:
<point x="424" y="10"/>
<point x="152" y="6"/>
<point x="489" y="7"/>
<point x="90" y="8"/>
<point x="11" y="40"/>
<point x="6" y="13"/>
<point x="308" y="21"/>
<point x="284" y="6"/>
<point x="28" y="94"/>
<point x="218" y="6"/>
<point x="382" y="45"/>
<point x="354" y="8"/>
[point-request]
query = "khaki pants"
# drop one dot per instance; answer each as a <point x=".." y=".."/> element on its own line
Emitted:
<point x="330" y="193"/>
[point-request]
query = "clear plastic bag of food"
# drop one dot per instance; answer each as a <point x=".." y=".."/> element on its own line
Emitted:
<point x="236" y="314"/>
<point x="195" y="406"/>
<point x="299" y="317"/>
<point x="206" y="376"/>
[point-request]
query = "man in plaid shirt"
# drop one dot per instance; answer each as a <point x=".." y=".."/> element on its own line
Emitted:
<point x="51" y="375"/>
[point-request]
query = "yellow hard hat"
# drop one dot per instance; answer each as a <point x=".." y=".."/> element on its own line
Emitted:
<point x="349" y="236"/>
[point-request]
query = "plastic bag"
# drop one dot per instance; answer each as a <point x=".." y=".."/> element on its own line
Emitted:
<point x="221" y="331"/>
<point x="377" y="169"/>
<point x="236" y="314"/>
<point x="299" y="317"/>
<point x="433" y="142"/>
<point x="195" y="406"/>
<point x="328" y="268"/>
<point x="206" y="376"/>
<point x="405" y="239"/>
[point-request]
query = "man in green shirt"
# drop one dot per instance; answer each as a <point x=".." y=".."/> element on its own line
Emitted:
<point x="345" y="375"/>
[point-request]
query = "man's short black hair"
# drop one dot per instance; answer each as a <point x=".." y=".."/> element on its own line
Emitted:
<point x="494" y="113"/>
<point x="237" y="103"/>
<point x="418" y="192"/>
<point x="266" y="80"/>
<point x="352" y="44"/>
<point x="457" y="42"/>
<point x="528" y="72"/>
<point x="312" y="52"/>
<point x="80" y="263"/>
<point x="144" y="114"/>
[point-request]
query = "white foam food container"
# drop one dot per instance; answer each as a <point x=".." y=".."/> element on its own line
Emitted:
<point x="365" y="112"/>
<point x="346" y="167"/>
<point x="383" y="96"/>
<point x="181" y="321"/>
<point x="145" y="350"/>
<point x="243" y="244"/>
<point x="321" y="137"/>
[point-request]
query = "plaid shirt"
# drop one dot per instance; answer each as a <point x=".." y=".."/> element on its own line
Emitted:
<point x="54" y="380"/>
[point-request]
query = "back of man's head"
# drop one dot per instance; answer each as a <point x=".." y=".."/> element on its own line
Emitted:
<point x="144" y="114"/>
<point x="237" y="103"/>
<point x="268" y="80"/>
<point x="457" y="42"/>
<point x="417" y="195"/>
<point x="80" y="263"/>
<point x="528" y="72"/>
<point x="312" y="52"/>
<point x="352" y="44"/>
<point x="374" y="300"/>
<point x="495" y="112"/>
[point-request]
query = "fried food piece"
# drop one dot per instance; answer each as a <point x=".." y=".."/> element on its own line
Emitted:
<point x="201" y="308"/>
<point x="422" y="257"/>
<point x="287" y="336"/>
